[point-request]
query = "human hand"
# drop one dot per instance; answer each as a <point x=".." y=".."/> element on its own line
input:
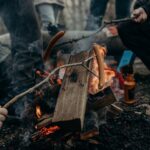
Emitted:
<point x="3" y="114"/>
<point x="139" y="15"/>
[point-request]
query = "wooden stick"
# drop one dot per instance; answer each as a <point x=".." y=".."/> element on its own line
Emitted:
<point x="100" y="52"/>
<point x="30" y="90"/>
<point x="89" y="134"/>
<point x="51" y="45"/>
<point x="117" y="108"/>
<point x="43" y="123"/>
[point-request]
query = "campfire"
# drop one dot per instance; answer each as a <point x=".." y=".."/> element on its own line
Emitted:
<point x="78" y="86"/>
<point x="85" y="86"/>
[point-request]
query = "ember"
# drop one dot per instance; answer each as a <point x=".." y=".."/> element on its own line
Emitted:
<point x="46" y="131"/>
<point x="38" y="111"/>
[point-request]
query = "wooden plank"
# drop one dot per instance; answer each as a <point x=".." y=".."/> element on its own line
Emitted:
<point x="71" y="104"/>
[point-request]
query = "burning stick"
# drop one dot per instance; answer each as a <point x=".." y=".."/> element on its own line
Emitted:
<point x="51" y="44"/>
<point x="100" y="53"/>
<point x="44" y="123"/>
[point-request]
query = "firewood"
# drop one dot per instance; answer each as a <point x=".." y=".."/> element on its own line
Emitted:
<point x="44" y="123"/>
<point x="89" y="134"/>
<point x="71" y="104"/>
<point x="99" y="101"/>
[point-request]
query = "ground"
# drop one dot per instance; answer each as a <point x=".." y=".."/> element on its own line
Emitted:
<point x="126" y="131"/>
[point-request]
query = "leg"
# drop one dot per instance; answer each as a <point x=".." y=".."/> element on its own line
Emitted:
<point x="122" y="8"/>
<point x="20" y="20"/>
<point x="47" y="15"/>
<point x="98" y="7"/>
<point x="97" y="10"/>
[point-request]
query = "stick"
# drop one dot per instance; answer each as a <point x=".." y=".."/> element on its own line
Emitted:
<point x="43" y="123"/>
<point x="30" y="90"/>
<point x="118" y="21"/>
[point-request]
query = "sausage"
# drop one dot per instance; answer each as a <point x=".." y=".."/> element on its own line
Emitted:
<point x="51" y="45"/>
<point x="100" y="54"/>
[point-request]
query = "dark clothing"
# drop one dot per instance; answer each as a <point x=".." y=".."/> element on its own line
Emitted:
<point x="98" y="8"/>
<point x="136" y="36"/>
<point x="145" y="4"/>
<point x="21" y="22"/>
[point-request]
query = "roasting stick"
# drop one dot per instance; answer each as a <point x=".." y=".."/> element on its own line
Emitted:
<point x="46" y="80"/>
<point x="118" y="21"/>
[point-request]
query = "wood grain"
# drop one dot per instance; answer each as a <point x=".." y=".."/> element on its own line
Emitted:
<point x="72" y="100"/>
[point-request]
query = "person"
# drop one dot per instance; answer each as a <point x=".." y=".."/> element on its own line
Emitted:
<point x="3" y="114"/>
<point x="49" y="11"/>
<point x="26" y="51"/>
<point x="98" y="7"/>
<point x="135" y="34"/>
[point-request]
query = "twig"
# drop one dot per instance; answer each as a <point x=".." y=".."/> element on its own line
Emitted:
<point x="118" y="21"/>
<point x="90" y="70"/>
<point x="30" y="90"/>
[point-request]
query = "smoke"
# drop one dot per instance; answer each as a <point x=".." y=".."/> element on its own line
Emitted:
<point x="25" y="142"/>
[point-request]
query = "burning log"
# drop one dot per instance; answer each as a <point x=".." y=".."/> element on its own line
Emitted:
<point x="101" y="99"/>
<point x="87" y="135"/>
<point x="44" y="123"/>
<point x="71" y="104"/>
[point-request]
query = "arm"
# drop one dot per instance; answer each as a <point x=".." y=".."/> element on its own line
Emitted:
<point x="3" y="114"/>
<point x="147" y="9"/>
<point x="141" y="12"/>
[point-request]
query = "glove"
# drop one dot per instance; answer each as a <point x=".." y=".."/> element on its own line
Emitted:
<point x="139" y="15"/>
<point x="3" y="114"/>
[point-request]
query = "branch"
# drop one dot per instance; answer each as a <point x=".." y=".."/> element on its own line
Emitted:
<point x="30" y="90"/>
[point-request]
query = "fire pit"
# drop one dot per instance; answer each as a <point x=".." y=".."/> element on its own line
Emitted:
<point x="84" y="88"/>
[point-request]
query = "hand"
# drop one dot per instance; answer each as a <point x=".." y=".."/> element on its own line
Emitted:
<point x="3" y="114"/>
<point x="139" y="15"/>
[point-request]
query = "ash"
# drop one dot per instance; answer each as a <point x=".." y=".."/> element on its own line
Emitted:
<point x="129" y="130"/>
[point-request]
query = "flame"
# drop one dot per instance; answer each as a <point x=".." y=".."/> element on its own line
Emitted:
<point x="47" y="131"/>
<point x="38" y="111"/>
<point x="94" y="80"/>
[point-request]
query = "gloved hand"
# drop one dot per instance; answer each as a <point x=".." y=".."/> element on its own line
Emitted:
<point x="3" y="114"/>
<point x="139" y="15"/>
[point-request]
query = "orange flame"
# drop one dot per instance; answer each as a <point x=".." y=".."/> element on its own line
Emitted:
<point x="47" y="131"/>
<point x="38" y="111"/>
<point x="94" y="80"/>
